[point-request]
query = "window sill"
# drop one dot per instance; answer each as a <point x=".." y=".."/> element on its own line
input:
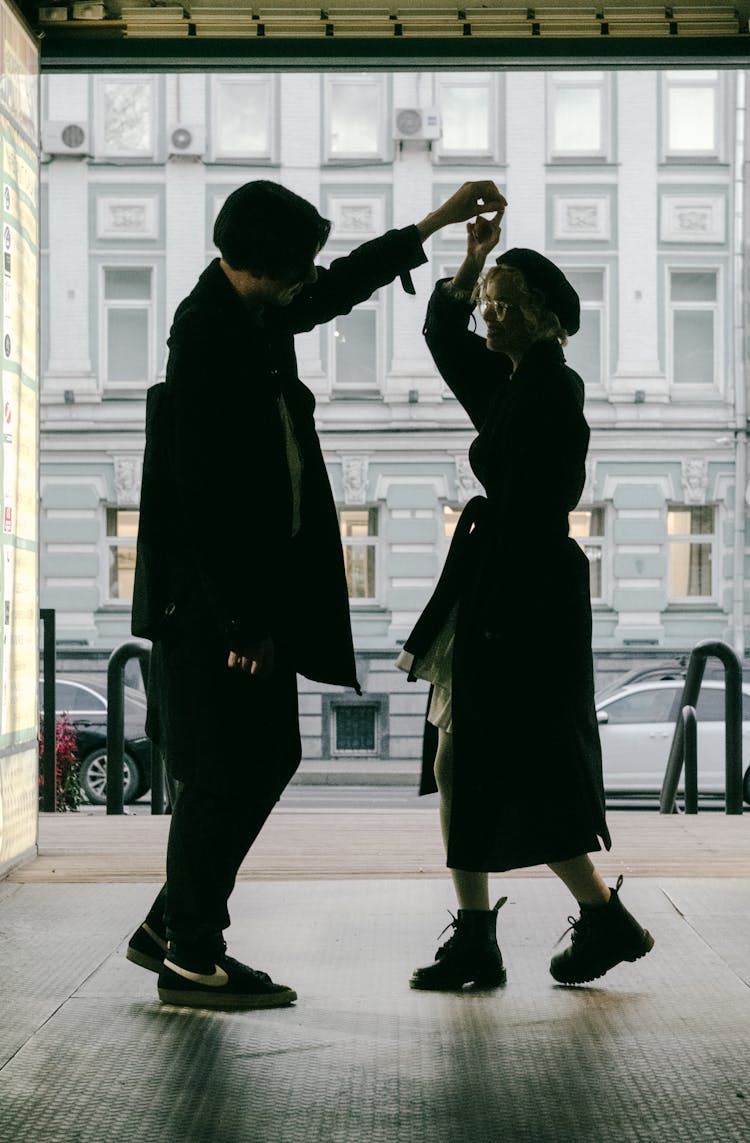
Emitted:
<point x="692" y="161"/>
<point x="358" y="161"/>
<point x="344" y="394"/>
<point x="468" y="161"/>
<point x="691" y="607"/>
<point x="556" y="161"/>
<point x="241" y="161"/>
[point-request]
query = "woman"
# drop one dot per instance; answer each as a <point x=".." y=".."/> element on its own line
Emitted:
<point x="506" y="637"/>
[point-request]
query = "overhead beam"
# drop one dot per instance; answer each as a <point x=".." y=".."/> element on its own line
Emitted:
<point x="198" y="53"/>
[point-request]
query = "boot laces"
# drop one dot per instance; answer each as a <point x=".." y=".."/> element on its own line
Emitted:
<point x="580" y="926"/>
<point x="452" y="924"/>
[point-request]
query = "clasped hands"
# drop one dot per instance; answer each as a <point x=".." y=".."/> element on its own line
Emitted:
<point x="473" y="200"/>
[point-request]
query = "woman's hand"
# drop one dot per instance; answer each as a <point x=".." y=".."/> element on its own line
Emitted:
<point x="482" y="236"/>
<point x="467" y="201"/>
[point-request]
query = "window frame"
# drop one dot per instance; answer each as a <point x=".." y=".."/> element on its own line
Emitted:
<point x="599" y="80"/>
<point x="712" y="539"/>
<point x="598" y="541"/>
<point x="333" y="713"/>
<point x="690" y="390"/>
<point x="105" y="305"/>
<point x="115" y="541"/>
<point x="358" y="389"/>
<point x="102" y="152"/>
<point x="669" y="79"/>
<point x="384" y="151"/>
<point x="494" y="151"/>
<point x="247" y="158"/>
<point x="604" y="309"/>
<point x="373" y="540"/>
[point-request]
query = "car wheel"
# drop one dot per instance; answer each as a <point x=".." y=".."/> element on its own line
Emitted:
<point x="93" y="775"/>
<point x="746" y="786"/>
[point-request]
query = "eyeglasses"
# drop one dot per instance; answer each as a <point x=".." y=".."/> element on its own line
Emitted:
<point x="499" y="309"/>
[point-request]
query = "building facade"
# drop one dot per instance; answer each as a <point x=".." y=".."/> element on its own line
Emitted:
<point x="645" y="213"/>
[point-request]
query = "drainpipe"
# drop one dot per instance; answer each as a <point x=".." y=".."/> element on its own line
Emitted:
<point x="740" y="390"/>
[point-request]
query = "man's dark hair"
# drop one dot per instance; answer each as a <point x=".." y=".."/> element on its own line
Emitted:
<point x="269" y="230"/>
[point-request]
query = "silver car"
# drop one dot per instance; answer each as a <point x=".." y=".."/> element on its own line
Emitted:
<point x="636" y="725"/>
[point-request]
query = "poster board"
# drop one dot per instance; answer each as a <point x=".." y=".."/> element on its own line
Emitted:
<point x="19" y="401"/>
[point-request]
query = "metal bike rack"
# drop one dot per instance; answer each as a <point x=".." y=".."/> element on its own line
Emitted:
<point x="134" y="649"/>
<point x="49" y="754"/>
<point x="685" y="740"/>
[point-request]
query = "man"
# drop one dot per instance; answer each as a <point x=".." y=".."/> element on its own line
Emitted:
<point x="239" y="577"/>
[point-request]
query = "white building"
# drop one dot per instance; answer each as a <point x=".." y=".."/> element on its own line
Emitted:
<point x="645" y="212"/>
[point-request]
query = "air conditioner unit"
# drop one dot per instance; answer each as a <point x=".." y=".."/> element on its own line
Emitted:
<point x="187" y="139"/>
<point x="61" y="138"/>
<point x="416" y="123"/>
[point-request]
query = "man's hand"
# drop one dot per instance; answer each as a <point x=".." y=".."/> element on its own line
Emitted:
<point x="257" y="659"/>
<point x="469" y="201"/>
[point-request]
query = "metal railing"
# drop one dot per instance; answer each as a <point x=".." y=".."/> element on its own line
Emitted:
<point x="133" y="649"/>
<point x="49" y="752"/>
<point x="684" y="743"/>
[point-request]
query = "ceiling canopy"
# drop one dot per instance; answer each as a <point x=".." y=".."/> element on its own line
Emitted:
<point x="363" y="33"/>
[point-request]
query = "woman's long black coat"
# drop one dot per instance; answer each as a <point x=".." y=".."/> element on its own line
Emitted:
<point x="527" y="760"/>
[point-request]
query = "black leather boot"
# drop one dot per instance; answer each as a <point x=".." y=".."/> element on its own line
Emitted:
<point x="603" y="936"/>
<point x="469" y="956"/>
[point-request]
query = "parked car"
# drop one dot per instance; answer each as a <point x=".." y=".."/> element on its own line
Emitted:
<point x="85" y="704"/>
<point x="636" y="725"/>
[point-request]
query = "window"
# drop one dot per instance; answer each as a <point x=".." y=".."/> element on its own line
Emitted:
<point x="355" y="728"/>
<point x="711" y="705"/>
<point x="691" y="114"/>
<point x="468" y="112"/>
<point x="693" y="304"/>
<point x="578" y="115"/>
<point x="585" y="351"/>
<point x="74" y="699"/>
<point x="691" y="533"/>
<point x="587" y="527"/>
<point x="355" y="117"/>
<point x="127" y="325"/>
<point x="125" y="110"/>
<point x="451" y="516"/>
<point x="122" y="530"/>
<point x="355" y="348"/>
<point x="642" y="706"/>
<point x="241" y="117"/>
<point x="359" y="531"/>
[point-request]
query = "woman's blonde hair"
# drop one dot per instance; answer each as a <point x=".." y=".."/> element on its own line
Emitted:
<point x="542" y="322"/>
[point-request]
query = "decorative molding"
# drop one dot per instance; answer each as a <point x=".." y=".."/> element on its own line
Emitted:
<point x="125" y="216"/>
<point x="354" y="216"/>
<point x="582" y="219"/>
<point x="467" y="484"/>
<point x="695" y="479"/>
<point x="588" y="493"/>
<point x="354" y="479"/>
<point x="127" y="480"/>
<point x="693" y="218"/>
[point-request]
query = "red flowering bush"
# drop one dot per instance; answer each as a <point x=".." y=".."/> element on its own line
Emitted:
<point x="68" y="794"/>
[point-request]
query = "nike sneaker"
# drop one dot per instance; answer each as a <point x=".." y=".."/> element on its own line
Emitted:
<point x="225" y="983"/>
<point x="147" y="948"/>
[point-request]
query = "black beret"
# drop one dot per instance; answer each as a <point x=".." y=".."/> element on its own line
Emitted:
<point x="545" y="276"/>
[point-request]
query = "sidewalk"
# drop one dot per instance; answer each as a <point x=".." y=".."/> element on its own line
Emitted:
<point x="343" y="906"/>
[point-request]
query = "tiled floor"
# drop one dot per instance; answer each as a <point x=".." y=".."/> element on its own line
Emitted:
<point x="657" y="1051"/>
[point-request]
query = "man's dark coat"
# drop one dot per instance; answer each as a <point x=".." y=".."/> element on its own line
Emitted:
<point x="527" y="760"/>
<point x="217" y="568"/>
